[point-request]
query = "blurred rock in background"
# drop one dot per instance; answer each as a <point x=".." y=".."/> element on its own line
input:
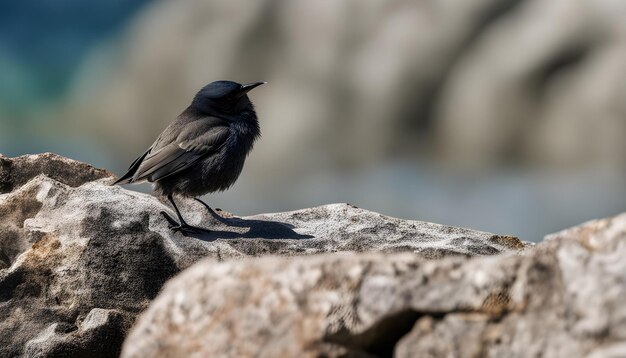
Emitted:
<point x="503" y="115"/>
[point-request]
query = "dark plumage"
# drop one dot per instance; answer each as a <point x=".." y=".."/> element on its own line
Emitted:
<point x="203" y="150"/>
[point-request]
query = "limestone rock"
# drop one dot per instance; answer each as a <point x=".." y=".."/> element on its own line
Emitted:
<point x="80" y="259"/>
<point x="562" y="298"/>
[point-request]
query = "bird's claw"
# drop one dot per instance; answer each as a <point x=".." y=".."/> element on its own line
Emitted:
<point x="183" y="228"/>
<point x="172" y="222"/>
<point x="188" y="229"/>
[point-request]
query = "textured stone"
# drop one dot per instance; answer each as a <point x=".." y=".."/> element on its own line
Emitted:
<point x="562" y="298"/>
<point x="80" y="259"/>
<point x="15" y="172"/>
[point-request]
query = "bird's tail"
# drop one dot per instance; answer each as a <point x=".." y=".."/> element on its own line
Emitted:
<point x="128" y="177"/>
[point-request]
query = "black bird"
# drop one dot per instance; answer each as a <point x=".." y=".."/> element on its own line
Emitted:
<point x="203" y="149"/>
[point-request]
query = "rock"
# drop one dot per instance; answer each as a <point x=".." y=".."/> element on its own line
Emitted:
<point x="80" y="259"/>
<point x="562" y="298"/>
<point x="15" y="172"/>
<point x="554" y="99"/>
<point x="438" y="79"/>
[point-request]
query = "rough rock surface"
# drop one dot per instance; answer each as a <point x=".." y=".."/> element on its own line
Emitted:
<point x="80" y="259"/>
<point x="15" y="172"/>
<point x="563" y="298"/>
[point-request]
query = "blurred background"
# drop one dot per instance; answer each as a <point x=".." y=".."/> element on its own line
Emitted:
<point x="501" y="115"/>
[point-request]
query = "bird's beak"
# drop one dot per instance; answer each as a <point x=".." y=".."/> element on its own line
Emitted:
<point x="247" y="88"/>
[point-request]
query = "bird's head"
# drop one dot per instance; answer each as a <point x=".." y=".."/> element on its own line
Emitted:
<point x="224" y="98"/>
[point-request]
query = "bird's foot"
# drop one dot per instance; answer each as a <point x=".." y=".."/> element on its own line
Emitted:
<point x="183" y="227"/>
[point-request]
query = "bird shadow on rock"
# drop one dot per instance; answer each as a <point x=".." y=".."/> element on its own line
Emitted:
<point x="257" y="229"/>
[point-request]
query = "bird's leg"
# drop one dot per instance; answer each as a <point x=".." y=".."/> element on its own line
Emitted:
<point x="215" y="215"/>
<point x="209" y="209"/>
<point x="182" y="225"/>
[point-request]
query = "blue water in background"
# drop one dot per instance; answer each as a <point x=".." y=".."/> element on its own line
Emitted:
<point x="42" y="44"/>
<point x="43" y="41"/>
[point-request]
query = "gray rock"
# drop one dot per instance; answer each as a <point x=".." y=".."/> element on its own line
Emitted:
<point x="562" y="298"/>
<point x="80" y="259"/>
<point x="410" y="77"/>
<point x="553" y="99"/>
<point x="15" y="172"/>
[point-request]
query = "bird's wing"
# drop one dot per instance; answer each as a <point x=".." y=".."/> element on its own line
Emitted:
<point x="198" y="139"/>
